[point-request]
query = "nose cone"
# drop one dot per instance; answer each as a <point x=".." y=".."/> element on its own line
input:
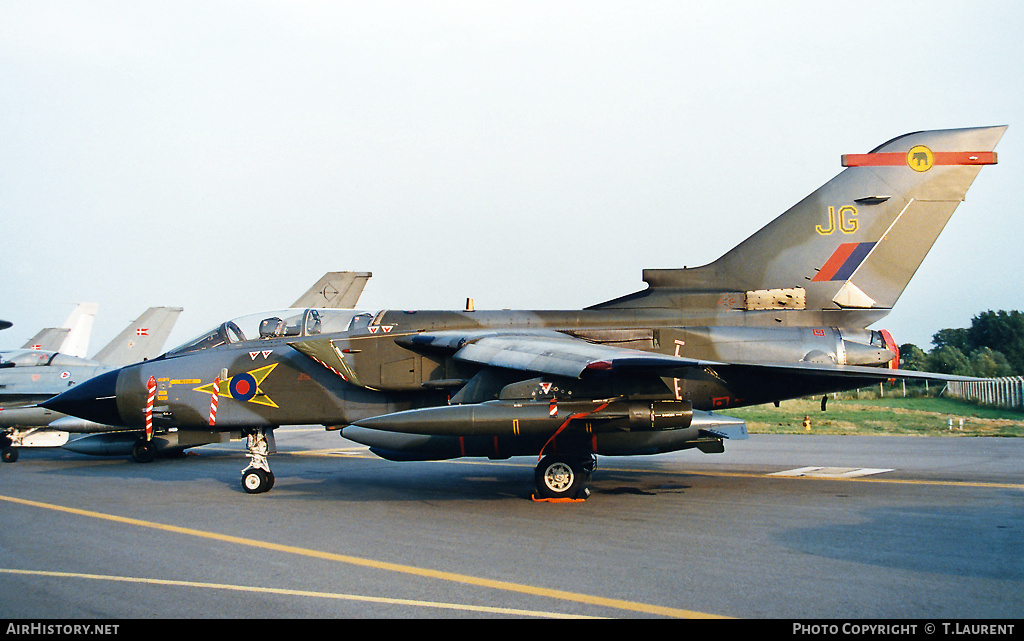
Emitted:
<point x="94" y="400"/>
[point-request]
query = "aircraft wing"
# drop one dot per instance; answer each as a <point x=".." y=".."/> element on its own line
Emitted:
<point x="545" y="352"/>
<point x="337" y="290"/>
<point x="555" y="354"/>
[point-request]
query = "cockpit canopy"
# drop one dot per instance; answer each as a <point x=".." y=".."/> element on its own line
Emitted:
<point x="39" y="358"/>
<point x="276" y="324"/>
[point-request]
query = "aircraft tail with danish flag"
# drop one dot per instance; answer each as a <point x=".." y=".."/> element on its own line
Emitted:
<point x="72" y="337"/>
<point x="851" y="246"/>
<point x="143" y="339"/>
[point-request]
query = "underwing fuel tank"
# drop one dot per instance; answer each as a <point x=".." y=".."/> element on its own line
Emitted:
<point x="122" y="443"/>
<point x="108" y="444"/>
<point x="383" y="435"/>
<point x="520" y="418"/>
<point x="75" y="425"/>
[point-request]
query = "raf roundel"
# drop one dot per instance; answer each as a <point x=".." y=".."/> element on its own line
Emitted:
<point x="243" y="387"/>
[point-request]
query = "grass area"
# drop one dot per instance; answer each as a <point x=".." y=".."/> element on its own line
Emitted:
<point x="893" y="416"/>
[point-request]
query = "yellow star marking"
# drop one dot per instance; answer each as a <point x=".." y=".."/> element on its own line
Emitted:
<point x="259" y="375"/>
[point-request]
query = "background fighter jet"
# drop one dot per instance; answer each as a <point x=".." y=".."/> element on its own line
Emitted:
<point x="71" y="338"/>
<point x="28" y="376"/>
<point x="333" y="289"/>
<point x="784" y="314"/>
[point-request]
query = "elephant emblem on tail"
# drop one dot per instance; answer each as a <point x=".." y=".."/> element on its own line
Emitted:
<point x="920" y="158"/>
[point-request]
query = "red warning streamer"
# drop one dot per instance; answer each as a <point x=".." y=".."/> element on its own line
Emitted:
<point x="566" y="423"/>
<point x="151" y="387"/>
<point x="213" y="401"/>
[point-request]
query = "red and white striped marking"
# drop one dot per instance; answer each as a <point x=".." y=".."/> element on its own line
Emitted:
<point x="151" y="387"/>
<point x="213" y="401"/>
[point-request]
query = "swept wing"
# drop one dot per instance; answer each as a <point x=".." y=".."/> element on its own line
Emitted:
<point x="556" y="354"/>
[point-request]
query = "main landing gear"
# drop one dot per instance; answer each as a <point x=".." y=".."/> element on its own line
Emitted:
<point x="257" y="478"/>
<point x="563" y="478"/>
<point x="9" y="452"/>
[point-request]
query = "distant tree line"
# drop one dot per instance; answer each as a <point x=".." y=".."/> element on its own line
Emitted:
<point x="993" y="346"/>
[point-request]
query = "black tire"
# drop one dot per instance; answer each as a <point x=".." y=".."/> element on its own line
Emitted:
<point x="256" y="481"/>
<point x="10" y="454"/>
<point x="143" y="451"/>
<point x="560" y="477"/>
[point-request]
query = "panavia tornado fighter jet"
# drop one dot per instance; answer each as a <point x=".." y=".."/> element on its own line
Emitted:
<point x="783" y="315"/>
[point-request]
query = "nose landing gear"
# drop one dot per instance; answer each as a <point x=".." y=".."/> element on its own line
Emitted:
<point x="9" y="452"/>
<point x="257" y="478"/>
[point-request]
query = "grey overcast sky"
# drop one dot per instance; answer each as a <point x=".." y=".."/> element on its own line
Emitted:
<point x="221" y="156"/>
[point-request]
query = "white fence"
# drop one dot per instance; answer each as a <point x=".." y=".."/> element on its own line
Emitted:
<point x="1001" y="392"/>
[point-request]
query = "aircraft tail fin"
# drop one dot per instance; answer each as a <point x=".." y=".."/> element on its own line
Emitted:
<point x="853" y="244"/>
<point x="144" y="338"/>
<point x="48" y="339"/>
<point x="72" y="338"/>
<point x="339" y="290"/>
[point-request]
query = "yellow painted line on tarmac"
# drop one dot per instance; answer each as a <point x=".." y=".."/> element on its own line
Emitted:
<point x="618" y="604"/>
<point x="303" y="593"/>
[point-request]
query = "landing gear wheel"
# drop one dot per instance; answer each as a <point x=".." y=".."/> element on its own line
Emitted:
<point x="257" y="481"/>
<point x="257" y="478"/>
<point x="561" y="477"/>
<point x="10" y="454"/>
<point x="143" y="451"/>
